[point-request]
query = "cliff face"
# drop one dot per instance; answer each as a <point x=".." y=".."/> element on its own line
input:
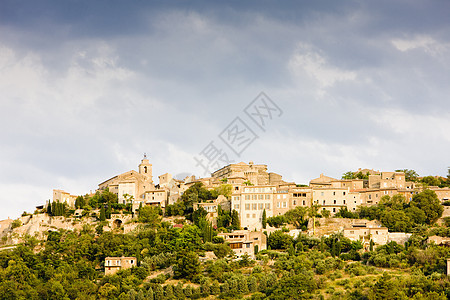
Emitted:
<point x="38" y="224"/>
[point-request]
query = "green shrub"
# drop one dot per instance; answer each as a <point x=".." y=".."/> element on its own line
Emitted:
<point x="16" y="223"/>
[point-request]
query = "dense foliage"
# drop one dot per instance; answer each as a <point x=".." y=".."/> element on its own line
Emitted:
<point x="69" y="265"/>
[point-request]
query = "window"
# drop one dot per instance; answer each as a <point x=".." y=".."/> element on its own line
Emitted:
<point x="344" y="201"/>
<point x="334" y="209"/>
<point x="260" y="206"/>
<point x="254" y="197"/>
<point x="236" y="206"/>
<point x="254" y="216"/>
<point x="268" y="206"/>
<point x="236" y="245"/>
<point x="254" y="206"/>
<point x="334" y="193"/>
<point x="260" y="197"/>
<point x="278" y="204"/>
<point x="321" y="193"/>
<point x="247" y="245"/>
<point x="247" y="197"/>
<point x="267" y="197"/>
<point x="284" y="204"/>
<point x="247" y="206"/>
<point x="323" y="202"/>
<point x="295" y="202"/>
<point x="334" y="201"/>
<point x="343" y="193"/>
<point x="303" y="202"/>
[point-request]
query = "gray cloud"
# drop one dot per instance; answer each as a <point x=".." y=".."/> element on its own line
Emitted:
<point x="86" y="88"/>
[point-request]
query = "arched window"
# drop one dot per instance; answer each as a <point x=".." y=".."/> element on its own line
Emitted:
<point x="145" y="169"/>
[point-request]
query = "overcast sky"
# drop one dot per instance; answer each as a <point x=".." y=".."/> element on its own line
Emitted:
<point x="86" y="87"/>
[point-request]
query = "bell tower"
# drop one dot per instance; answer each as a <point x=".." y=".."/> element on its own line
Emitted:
<point x="145" y="168"/>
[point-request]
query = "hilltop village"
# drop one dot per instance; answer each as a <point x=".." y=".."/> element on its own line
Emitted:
<point x="177" y="233"/>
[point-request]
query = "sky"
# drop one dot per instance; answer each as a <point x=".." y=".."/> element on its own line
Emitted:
<point x="88" y="87"/>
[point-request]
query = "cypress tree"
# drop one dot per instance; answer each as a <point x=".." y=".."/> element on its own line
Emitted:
<point x="235" y="220"/>
<point x="108" y="211"/>
<point x="264" y="219"/>
<point x="159" y="293"/>
<point x="102" y="213"/>
<point x="178" y="291"/>
<point x="150" y="294"/>
<point x="169" y="292"/>
<point x="49" y="208"/>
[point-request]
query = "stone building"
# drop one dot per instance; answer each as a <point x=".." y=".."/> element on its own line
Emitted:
<point x="245" y="241"/>
<point x="251" y="201"/>
<point x="64" y="197"/>
<point x="114" y="264"/>
<point x="131" y="185"/>
<point x="255" y="174"/>
<point x="212" y="206"/>
<point x="361" y="232"/>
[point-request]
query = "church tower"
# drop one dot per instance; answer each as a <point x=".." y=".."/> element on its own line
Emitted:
<point x="145" y="168"/>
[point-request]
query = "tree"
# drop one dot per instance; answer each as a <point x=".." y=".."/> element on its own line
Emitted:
<point x="223" y="217"/>
<point x="79" y="202"/>
<point x="429" y="203"/>
<point x="279" y="240"/>
<point x="235" y="223"/>
<point x="264" y="219"/>
<point x="296" y="216"/>
<point x="108" y="211"/>
<point x="223" y="189"/>
<point x="102" y="213"/>
<point x="199" y="215"/>
<point x="49" y="208"/>
<point x="431" y="180"/>
<point x="222" y="250"/>
<point x="149" y="215"/>
<point x="325" y="213"/>
<point x="188" y="266"/>
<point x="410" y="175"/>
<point x="158" y="293"/>
<point x="348" y="175"/>
<point x="276" y="221"/>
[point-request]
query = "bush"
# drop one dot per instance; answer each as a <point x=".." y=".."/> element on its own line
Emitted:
<point x="16" y="223"/>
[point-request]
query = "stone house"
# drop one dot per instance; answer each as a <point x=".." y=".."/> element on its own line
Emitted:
<point x="245" y="241"/>
<point x="114" y="264"/>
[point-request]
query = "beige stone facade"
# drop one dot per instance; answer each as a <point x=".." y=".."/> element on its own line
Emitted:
<point x="212" y="206"/>
<point x="255" y="174"/>
<point x="387" y="180"/>
<point x="245" y="241"/>
<point x="331" y="199"/>
<point x="114" y="264"/>
<point x="443" y="194"/>
<point x="250" y="202"/>
<point x="64" y="197"/>
<point x="360" y="232"/>
<point x="131" y="185"/>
